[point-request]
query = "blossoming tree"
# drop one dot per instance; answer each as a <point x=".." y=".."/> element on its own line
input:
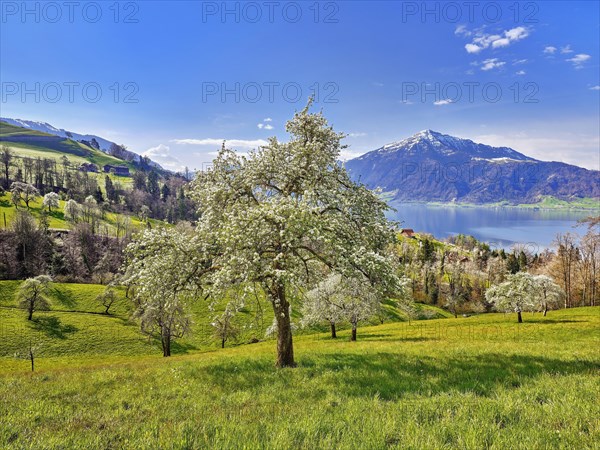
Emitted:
<point x="278" y="216"/>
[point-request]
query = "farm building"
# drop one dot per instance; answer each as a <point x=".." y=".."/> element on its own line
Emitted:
<point x="122" y="171"/>
<point x="88" y="167"/>
<point x="408" y="232"/>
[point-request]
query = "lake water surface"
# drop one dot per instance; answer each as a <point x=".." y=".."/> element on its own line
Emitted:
<point x="500" y="227"/>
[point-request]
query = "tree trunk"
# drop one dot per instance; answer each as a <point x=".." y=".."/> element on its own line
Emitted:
<point x="222" y="343"/>
<point x="353" y="338"/>
<point x="166" y="345"/>
<point x="333" y="333"/>
<point x="285" y="347"/>
<point x="545" y="310"/>
<point x="30" y="313"/>
<point x="32" y="358"/>
<point x="519" y="317"/>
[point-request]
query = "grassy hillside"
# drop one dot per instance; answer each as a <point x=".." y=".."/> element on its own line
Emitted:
<point x="26" y="143"/>
<point x="76" y="327"/>
<point x="478" y="382"/>
<point x="57" y="219"/>
<point x="30" y="143"/>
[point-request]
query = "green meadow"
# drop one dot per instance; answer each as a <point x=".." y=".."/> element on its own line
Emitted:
<point x="473" y="382"/>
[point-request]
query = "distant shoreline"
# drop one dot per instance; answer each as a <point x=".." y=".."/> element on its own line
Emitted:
<point x="586" y="206"/>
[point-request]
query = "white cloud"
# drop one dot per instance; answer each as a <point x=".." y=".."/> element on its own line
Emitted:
<point x="407" y="102"/>
<point x="442" y="102"/>
<point x="235" y="143"/>
<point x="492" y="63"/>
<point x="357" y="134"/>
<point x="550" y="50"/>
<point x="346" y="154"/>
<point x="566" y="49"/>
<point x="521" y="72"/>
<point x="595" y="88"/>
<point x="162" y="155"/>
<point x="472" y="48"/>
<point x="516" y="34"/>
<point x="519" y="61"/>
<point x="483" y="40"/>
<point x="568" y="147"/>
<point x="265" y="125"/>
<point x="579" y="59"/>
<point x="504" y="42"/>
<point x="461" y="30"/>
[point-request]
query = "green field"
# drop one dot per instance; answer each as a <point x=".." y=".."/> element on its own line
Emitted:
<point x="477" y="382"/>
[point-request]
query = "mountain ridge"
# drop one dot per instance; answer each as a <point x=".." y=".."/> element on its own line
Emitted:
<point x="104" y="144"/>
<point x="435" y="167"/>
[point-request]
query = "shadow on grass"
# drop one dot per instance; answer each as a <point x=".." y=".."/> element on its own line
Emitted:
<point x="177" y="348"/>
<point x="392" y="375"/>
<point x="371" y="335"/>
<point x="65" y="297"/>
<point x="52" y="327"/>
<point x="538" y="320"/>
<point x="57" y="214"/>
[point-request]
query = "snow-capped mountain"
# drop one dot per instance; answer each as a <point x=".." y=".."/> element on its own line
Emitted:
<point x="50" y="129"/>
<point x="431" y="143"/>
<point x="431" y="166"/>
<point x="45" y="127"/>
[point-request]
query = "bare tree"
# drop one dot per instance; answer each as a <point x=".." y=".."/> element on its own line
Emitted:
<point x="564" y="264"/>
<point x="6" y="157"/>
<point x="31" y="351"/>
<point x="589" y="263"/>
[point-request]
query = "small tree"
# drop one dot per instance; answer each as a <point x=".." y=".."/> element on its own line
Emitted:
<point x="338" y="298"/>
<point x="107" y="298"/>
<point x="322" y="304"/>
<point x="51" y="200"/>
<point x="6" y="157"/>
<point x="224" y="328"/>
<point x="72" y="210"/>
<point x="549" y="294"/>
<point x="360" y="302"/>
<point x="144" y="213"/>
<point x="154" y="268"/>
<point x="24" y="191"/>
<point x="516" y="294"/>
<point x="30" y="352"/>
<point x="33" y="294"/>
<point x="89" y="209"/>
<point x="15" y="198"/>
<point x="456" y="288"/>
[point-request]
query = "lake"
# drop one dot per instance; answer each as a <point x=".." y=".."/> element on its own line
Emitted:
<point x="500" y="227"/>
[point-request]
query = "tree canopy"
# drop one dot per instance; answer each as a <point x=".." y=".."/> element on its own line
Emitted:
<point x="279" y="217"/>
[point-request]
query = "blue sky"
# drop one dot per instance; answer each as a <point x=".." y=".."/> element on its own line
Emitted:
<point x="524" y="75"/>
